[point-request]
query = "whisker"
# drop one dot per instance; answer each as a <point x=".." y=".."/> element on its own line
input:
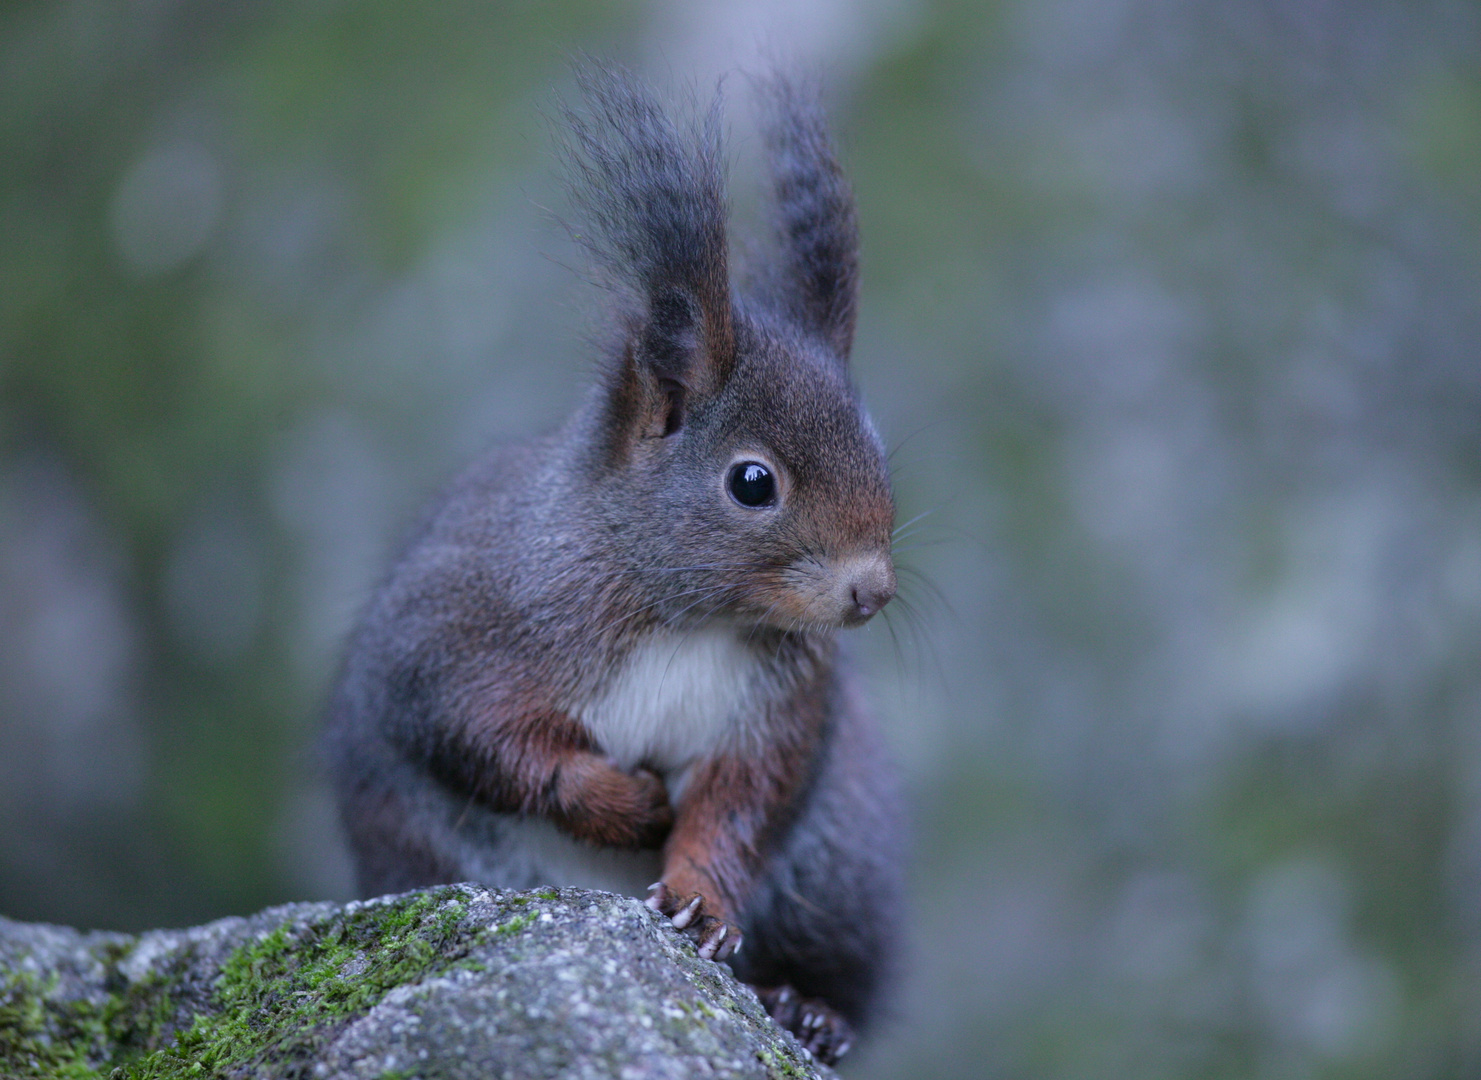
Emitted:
<point x="896" y="548"/>
<point x="629" y="571"/>
<point x="894" y="638"/>
<point x="920" y="633"/>
<point x="932" y="590"/>
<point x="661" y="601"/>
<point x="707" y="593"/>
<point x="897" y="540"/>
<point x="905" y="525"/>
<point x="761" y="621"/>
<point x="890" y="457"/>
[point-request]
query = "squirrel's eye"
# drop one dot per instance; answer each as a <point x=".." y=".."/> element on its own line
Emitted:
<point x="751" y="484"/>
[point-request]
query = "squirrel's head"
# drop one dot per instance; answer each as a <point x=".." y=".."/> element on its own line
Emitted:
<point x="734" y="467"/>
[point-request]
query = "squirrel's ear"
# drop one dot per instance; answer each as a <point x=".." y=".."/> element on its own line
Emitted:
<point x="653" y="198"/>
<point x="818" y="283"/>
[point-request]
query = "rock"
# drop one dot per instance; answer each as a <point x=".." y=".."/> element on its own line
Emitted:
<point x="453" y="982"/>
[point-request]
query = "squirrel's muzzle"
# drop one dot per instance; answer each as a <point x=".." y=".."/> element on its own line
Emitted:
<point x="866" y="584"/>
<point x="843" y="591"/>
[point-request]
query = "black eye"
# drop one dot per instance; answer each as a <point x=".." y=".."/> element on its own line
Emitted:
<point x="751" y="484"/>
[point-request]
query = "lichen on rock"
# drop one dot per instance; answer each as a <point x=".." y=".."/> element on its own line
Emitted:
<point x="453" y="982"/>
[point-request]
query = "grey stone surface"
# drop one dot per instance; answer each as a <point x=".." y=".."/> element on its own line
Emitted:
<point x="457" y="982"/>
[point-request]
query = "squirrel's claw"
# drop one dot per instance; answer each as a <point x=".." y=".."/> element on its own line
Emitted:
<point x="685" y="915"/>
<point x="719" y="940"/>
<point x="714" y="938"/>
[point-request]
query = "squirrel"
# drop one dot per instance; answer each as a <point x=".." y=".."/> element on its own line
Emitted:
<point x="609" y="654"/>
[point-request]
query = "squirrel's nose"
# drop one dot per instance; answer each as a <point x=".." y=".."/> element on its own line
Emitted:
<point x="872" y="587"/>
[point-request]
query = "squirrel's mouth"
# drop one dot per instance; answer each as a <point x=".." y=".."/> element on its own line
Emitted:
<point x="827" y="593"/>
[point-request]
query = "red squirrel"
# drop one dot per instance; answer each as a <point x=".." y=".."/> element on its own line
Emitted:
<point x="609" y="654"/>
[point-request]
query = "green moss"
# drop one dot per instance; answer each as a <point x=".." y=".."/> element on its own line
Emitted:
<point x="515" y="925"/>
<point x="280" y="997"/>
<point x="137" y="1014"/>
<point x="785" y="1066"/>
<point x="277" y="998"/>
<point x="42" y="1036"/>
<point x="27" y="1042"/>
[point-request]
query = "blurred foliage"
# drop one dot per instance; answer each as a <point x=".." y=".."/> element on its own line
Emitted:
<point x="320" y="149"/>
<point x="1172" y="311"/>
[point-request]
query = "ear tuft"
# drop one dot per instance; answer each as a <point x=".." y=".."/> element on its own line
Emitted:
<point x="815" y="215"/>
<point x="652" y="194"/>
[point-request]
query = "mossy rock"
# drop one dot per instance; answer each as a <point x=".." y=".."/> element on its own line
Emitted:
<point x="454" y="982"/>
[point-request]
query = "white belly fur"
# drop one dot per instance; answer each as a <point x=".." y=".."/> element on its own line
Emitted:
<point x="676" y="700"/>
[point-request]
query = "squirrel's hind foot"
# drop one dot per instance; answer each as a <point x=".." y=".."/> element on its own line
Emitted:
<point x="820" y="1028"/>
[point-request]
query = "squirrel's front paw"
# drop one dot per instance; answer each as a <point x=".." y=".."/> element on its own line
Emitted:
<point x="715" y="938"/>
<point x="818" y="1027"/>
<point x="597" y="801"/>
<point x="654" y="816"/>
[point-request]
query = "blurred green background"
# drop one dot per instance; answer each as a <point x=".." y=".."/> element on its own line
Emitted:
<point x="1173" y="310"/>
